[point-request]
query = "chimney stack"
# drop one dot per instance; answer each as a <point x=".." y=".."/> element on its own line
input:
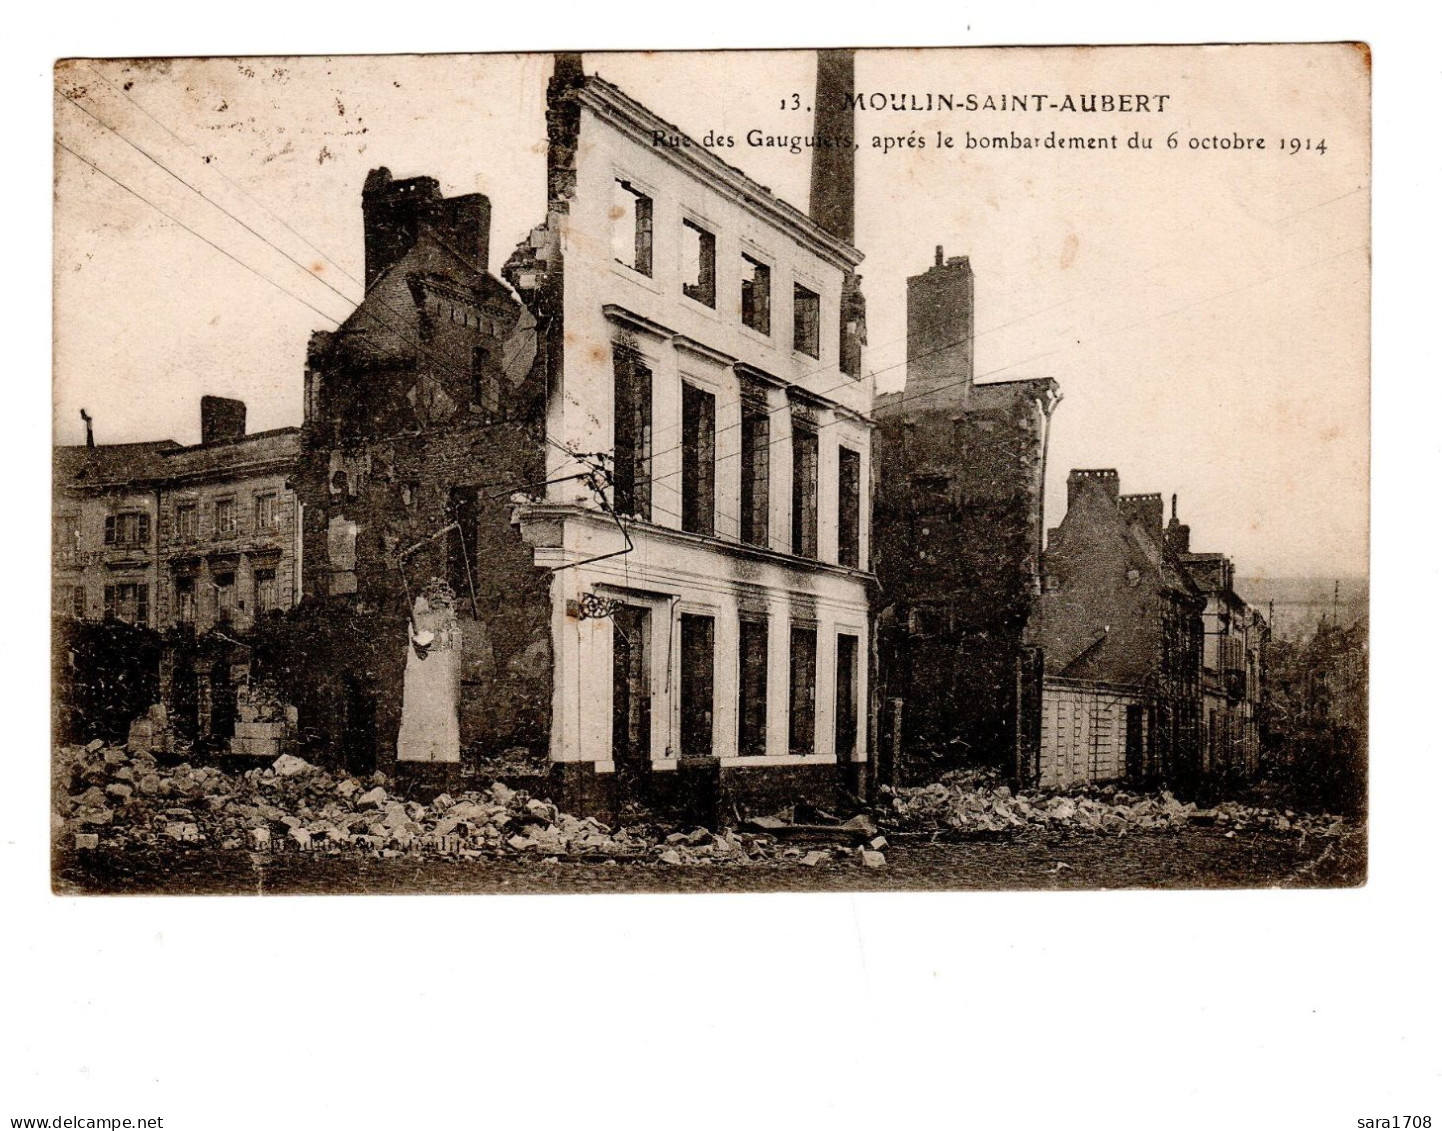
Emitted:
<point x="1105" y="479"/>
<point x="833" y="162"/>
<point x="1179" y="535"/>
<point x="221" y="419"/>
<point x="1146" y="511"/>
<point x="940" y="328"/>
<point x="396" y="212"/>
<point x="89" y="429"/>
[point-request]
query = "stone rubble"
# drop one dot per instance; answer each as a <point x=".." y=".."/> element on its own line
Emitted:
<point x="109" y="798"/>
<point x="972" y="804"/>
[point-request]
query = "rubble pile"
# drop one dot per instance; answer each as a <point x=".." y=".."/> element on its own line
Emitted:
<point x="967" y="804"/>
<point x="109" y="798"/>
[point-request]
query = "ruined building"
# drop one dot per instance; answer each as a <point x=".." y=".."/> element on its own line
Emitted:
<point x="960" y="474"/>
<point x="422" y="417"/>
<point x="619" y="528"/>
<point x="1119" y="626"/>
<point x="1235" y="638"/>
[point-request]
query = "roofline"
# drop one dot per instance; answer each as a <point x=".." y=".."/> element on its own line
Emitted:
<point x="289" y="429"/>
<point x="619" y="109"/>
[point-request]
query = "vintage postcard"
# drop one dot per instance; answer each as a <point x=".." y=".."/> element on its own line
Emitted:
<point x="738" y="471"/>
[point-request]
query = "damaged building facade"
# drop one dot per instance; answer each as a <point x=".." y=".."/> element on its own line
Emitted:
<point x="422" y="416"/>
<point x="1234" y="647"/>
<point x="961" y="470"/>
<point x="1154" y="668"/>
<point x="619" y="528"/>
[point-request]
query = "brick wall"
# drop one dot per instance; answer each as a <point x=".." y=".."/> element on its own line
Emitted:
<point x="958" y="518"/>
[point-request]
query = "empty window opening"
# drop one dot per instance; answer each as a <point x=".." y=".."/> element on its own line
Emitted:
<point x="848" y="508"/>
<point x="756" y="295"/>
<point x="698" y="684"/>
<point x="805" y="455"/>
<point x="632" y="494"/>
<point x="463" y="517"/>
<point x="806" y="321"/>
<point x="698" y="461"/>
<point x="751" y="721"/>
<point x="698" y="263"/>
<point x="847" y="698"/>
<point x="755" y="474"/>
<point x="631" y="227"/>
<point x="803" y="690"/>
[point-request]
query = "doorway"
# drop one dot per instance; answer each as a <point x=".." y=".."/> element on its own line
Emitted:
<point x="631" y="692"/>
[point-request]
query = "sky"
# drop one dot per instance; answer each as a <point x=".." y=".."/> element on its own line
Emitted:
<point x="1205" y="311"/>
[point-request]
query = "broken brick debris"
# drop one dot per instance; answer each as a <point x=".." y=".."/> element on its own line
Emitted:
<point x="967" y="804"/>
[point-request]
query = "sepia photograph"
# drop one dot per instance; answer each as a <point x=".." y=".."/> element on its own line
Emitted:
<point x="752" y="567"/>
<point x="748" y="471"/>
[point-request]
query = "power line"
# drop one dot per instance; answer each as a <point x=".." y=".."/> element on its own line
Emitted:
<point x="193" y="232"/>
<point x="443" y="363"/>
<point x="221" y="173"/>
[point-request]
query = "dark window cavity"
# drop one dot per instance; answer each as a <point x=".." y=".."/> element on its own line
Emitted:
<point x="805" y="454"/>
<point x="751" y="730"/>
<point x="698" y="461"/>
<point x="698" y="684"/>
<point x="848" y="508"/>
<point x="698" y="263"/>
<point x="631" y="227"/>
<point x="803" y="690"/>
<point x="756" y="295"/>
<point x="633" y="435"/>
<point x="755" y="473"/>
<point x="806" y="321"/>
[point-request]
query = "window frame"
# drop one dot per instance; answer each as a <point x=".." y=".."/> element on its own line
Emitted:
<point x="755" y="458"/>
<point x="698" y="459"/>
<point x="702" y="731"/>
<point x="179" y="531"/>
<point x="259" y="498"/>
<point x="801" y="714"/>
<point x="704" y="233"/>
<point x="643" y="262"/>
<point x="759" y="260"/>
<point x="752" y="745"/>
<point x="805" y="505"/>
<point x="798" y="288"/>
<point x="233" y="529"/>
<point x="848" y="507"/>
<point x="632" y="491"/>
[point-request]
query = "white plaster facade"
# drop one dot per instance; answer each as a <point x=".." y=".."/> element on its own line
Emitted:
<point x="668" y="571"/>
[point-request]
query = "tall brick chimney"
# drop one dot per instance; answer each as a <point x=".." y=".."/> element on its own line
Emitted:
<point x="1146" y="511"/>
<point x="1179" y="535"/>
<point x="396" y="212"/>
<point x="1104" y="479"/>
<point x="940" y="332"/>
<point x="221" y="419"/>
<point x="833" y="167"/>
